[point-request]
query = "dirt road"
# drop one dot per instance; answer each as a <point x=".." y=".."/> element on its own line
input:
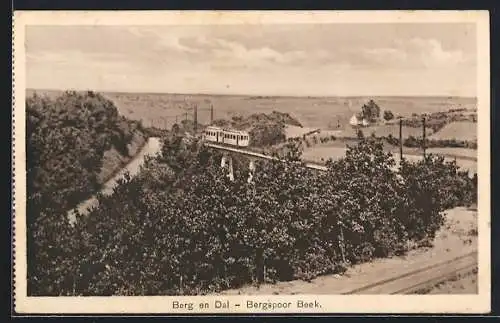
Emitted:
<point x="151" y="148"/>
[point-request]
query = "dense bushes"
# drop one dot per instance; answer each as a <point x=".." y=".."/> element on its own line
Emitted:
<point x="267" y="134"/>
<point x="437" y="143"/>
<point x="182" y="227"/>
<point x="413" y="142"/>
<point x="410" y="141"/>
<point x="434" y="185"/>
<point x="388" y="115"/>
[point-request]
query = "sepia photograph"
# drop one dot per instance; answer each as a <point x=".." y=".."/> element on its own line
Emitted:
<point x="251" y="162"/>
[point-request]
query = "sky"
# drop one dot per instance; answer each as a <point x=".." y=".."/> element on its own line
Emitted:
<point x="300" y="60"/>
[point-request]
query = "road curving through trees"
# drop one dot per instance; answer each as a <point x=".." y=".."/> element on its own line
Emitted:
<point x="151" y="148"/>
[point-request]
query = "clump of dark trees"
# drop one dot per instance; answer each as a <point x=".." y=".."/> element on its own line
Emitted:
<point x="66" y="138"/>
<point x="414" y="142"/>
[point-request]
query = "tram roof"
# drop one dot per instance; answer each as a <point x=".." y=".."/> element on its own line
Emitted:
<point x="233" y="131"/>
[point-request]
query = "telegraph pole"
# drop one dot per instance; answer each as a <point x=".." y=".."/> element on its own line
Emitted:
<point x="401" y="139"/>
<point x="423" y="135"/>
<point x="195" y="118"/>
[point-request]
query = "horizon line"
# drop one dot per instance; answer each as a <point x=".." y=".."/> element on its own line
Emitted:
<point x="257" y="95"/>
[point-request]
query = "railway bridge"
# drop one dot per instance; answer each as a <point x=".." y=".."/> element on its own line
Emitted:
<point x="227" y="162"/>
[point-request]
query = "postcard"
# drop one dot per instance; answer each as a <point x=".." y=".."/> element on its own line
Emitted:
<point x="249" y="162"/>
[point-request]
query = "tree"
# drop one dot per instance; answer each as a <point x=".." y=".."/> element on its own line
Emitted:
<point x="388" y="115"/>
<point x="267" y="134"/>
<point x="370" y="111"/>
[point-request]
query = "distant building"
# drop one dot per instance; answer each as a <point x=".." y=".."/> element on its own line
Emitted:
<point x="354" y="121"/>
<point x="357" y="121"/>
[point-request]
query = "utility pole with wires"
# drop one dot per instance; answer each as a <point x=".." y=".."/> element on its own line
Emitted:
<point x="423" y="135"/>
<point x="195" y="119"/>
<point x="401" y="138"/>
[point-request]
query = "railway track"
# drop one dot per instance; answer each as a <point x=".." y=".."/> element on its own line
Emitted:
<point x="422" y="278"/>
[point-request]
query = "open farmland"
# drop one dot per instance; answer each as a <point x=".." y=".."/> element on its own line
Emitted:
<point x="320" y="154"/>
<point x="458" y="131"/>
<point x="297" y="132"/>
<point x="161" y="110"/>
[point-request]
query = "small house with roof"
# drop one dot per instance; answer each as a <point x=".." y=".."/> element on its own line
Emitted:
<point x="358" y="121"/>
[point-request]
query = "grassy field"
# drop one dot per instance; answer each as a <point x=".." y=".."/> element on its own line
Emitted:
<point x="297" y="132"/>
<point x="457" y="130"/>
<point x="320" y="153"/>
<point x="161" y="110"/>
<point x="459" y="152"/>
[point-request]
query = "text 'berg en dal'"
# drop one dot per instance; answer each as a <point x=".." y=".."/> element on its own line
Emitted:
<point x="249" y="304"/>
